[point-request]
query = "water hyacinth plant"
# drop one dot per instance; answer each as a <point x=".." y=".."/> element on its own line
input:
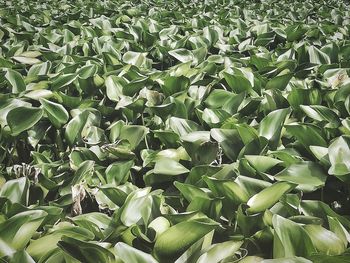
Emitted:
<point x="184" y="131"/>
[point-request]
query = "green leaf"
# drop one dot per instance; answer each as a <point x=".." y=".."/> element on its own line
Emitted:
<point x="337" y="228"/>
<point x="262" y="163"/>
<point x="308" y="175"/>
<point x="84" y="171"/>
<point x="63" y="80"/>
<point x="290" y="239"/>
<point x="279" y="82"/>
<point x="220" y="251"/>
<point x="134" y="134"/>
<point x="45" y="244"/>
<point x="183" y="55"/>
<point x="114" y="87"/>
<point x="228" y="189"/>
<point x="168" y="166"/>
<point x="137" y="206"/>
<point x="182" y="126"/>
<point x="217" y="98"/>
<point x="199" y="147"/>
<point x="8" y="105"/>
<point x="75" y="127"/>
<point x="271" y="126"/>
<point x="238" y="83"/>
<point x="177" y="239"/>
<point x="317" y="56"/>
<point x="20" y="228"/>
<point x="23" y="118"/>
<point x="16" y="81"/>
<point x="16" y="190"/>
<point x="174" y="84"/>
<point x="190" y="192"/>
<point x="26" y="60"/>
<point x="56" y="112"/>
<point x="322" y="113"/>
<point x="268" y="197"/>
<point x="295" y="32"/>
<point x="307" y="134"/>
<point x="159" y="225"/>
<point x="130" y="254"/>
<point x="339" y="152"/>
<point x="229" y="140"/>
<point x="40" y="69"/>
<point x="136" y="59"/>
<point x="118" y="172"/>
<point x="87" y="71"/>
<point x="324" y="240"/>
<point x="85" y="251"/>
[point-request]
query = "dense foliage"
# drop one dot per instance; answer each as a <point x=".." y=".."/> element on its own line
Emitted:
<point x="174" y="131"/>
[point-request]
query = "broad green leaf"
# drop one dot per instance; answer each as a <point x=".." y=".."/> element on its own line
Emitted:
<point x="215" y="117"/>
<point x="218" y="252"/>
<point x="87" y="71"/>
<point x="20" y="228"/>
<point x="137" y="206"/>
<point x="134" y="134"/>
<point x="23" y="118"/>
<point x="237" y="83"/>
<point x="16" y="190"/>
<point x="322" y="113"/>
<point x="63" y="80"/>
<point x="26" y="60"/>
<point x="262" y="163"/>
<point x="84" y="171"/>
<point x="338" y="152"/>
<point x="199" y="147"/>
<point x="45" y="244"/>
<point x="178" y="238"/>
<point x="56" y="112"/>
<point x="8" y="105"/>
<point x="40" y="69"/>
<point x="190" y="192"/>
<point x="21" y="256"/>
<point x="290" y="239"/>
<point x="229" y="140"/>
<point x="268" y="197"/>
<point x="279" y="82"/>
<point x="324" y="240"/>
<point x="307" y="134"/>
<point x="114" y="87"/>
<point x="271" y="126"/>
<point x="85" y="251"/>
<point x="183" y="55"/>
<point x="321" y="210"/>
<point x="95" y="222"/>
<point x="337" y="228"/>
<point x="6" y="249"/>
<point x="317" y="56"/>
<point x="136" y="59"/>
<point x="174" y="84"/>
<point x="75" y="127"/>
<point x="295" y="32"/>
<point x="228" y="189"/>
<point x="285" y="259"/>
<point x="182" y="126"/>
<point x="308" y="176"/>
<point x="159" y="225"/>
<point x="16" y="81"/>
<point x="130" y="254"/>
<point x="168" y="166"/>
<point x="118" y="172"/>
<point x="217" y="98"/>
